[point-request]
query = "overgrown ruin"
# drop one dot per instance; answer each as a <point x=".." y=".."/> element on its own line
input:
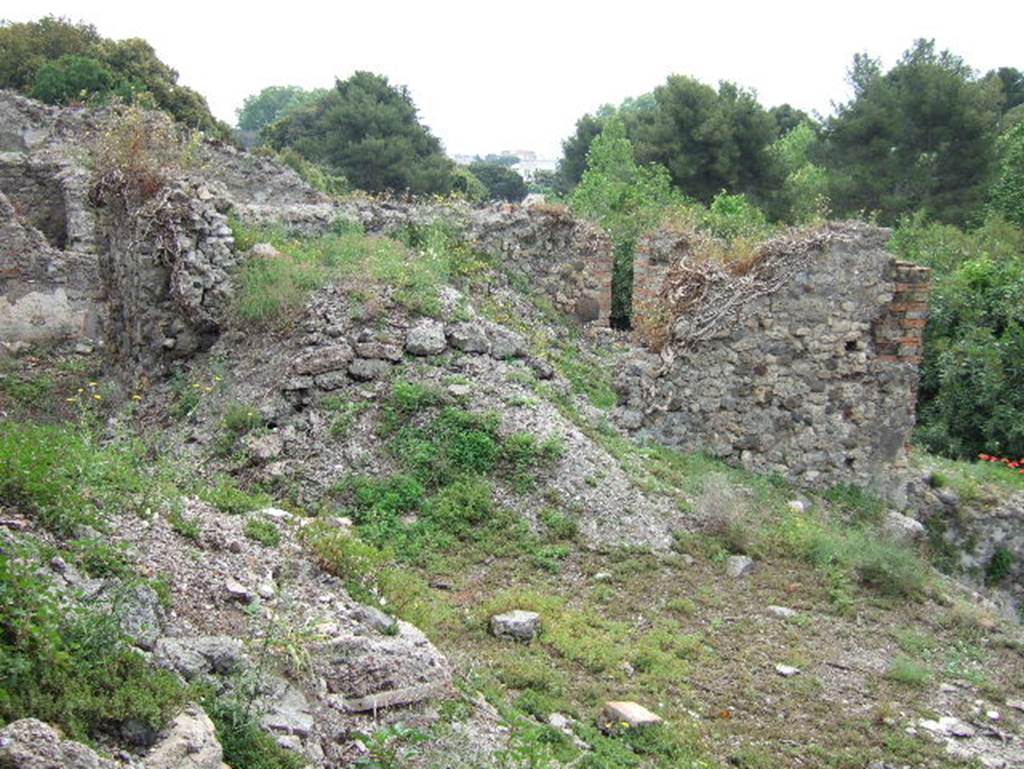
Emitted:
<point x="813" y="376"/>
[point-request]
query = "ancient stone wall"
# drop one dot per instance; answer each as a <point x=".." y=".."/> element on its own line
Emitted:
<point x="814" y="378"/>
<point x="545" y="247"/>
<point x="46" y="295"/>
<point x="166" y="273"/>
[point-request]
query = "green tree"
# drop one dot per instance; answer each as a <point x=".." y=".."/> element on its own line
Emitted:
<point x="464" y="183"/>
<point x="1011" y="81"/>
<point x="916" y="137"/>
<point x="367" y="130"/>
<point x="802" y="195"/>
<point x="626" y="199"/>
<point x="273" y="102"/>
<point x="27" y="46"/>
<point x="71" y="78"/>
<point x="502" y="183"/>
<point x="708" y="140"/>
<point x="53" y="49"/>
<point x="574" y="151"/>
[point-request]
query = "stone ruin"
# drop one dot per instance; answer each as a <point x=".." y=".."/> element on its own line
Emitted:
<point x="806" y="366"/>
<point x="813" y="377"/>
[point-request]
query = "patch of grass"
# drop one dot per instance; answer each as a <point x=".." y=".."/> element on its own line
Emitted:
<point x="559" y="526"/>
<point x="344" y="414"/>
<point x="65" y="478"/>
<point x="524" y="455"/>
<point x="972" y="481"/>
<point x="25" y="390"/>
<point x="71" y="666"/>
<point x="344" y="554"/>
<point x="263" y="531"/>
<point x="272" y="289"/>
<point x="180" y="524"/>
<point x="246" y="745"/>
<point x="908" y="672"/>
<point x="858" y="504"/>
<point x="999" y="566"/>
<point x="239" y="420"/>
<point x="851" y="554"/>
<point x="228" y="497"/>
<point x="100" y="558"/>
<point x="585" y="377"/>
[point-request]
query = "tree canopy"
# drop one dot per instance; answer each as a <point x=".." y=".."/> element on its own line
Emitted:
<point x="919" y="136"/>
<point x="502" y="183"/>
<point x="59" y="62"/>
<point x="261" y="109"/>
<point x="367" y="130"/>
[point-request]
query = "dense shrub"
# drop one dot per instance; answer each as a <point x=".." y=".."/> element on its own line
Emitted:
<point x="59" y="61"/>
<point x="71" y="78"/>
<point x="71" y="666"/>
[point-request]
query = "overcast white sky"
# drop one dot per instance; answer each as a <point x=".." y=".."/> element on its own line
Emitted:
<point x="489" y="77"/>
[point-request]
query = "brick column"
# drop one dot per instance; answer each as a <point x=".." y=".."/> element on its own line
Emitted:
<point x="899" y="331"/>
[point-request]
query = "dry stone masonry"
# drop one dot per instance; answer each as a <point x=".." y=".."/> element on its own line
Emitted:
<point x="812" y="375"/>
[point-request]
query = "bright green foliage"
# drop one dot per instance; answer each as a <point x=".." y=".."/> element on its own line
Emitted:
<point x="56" y="60"/>
<point x="367" y="130"/>
<point x="906" y="671"/>
<point x="502" y="183"/>
<point x="263" y="531"/>
<point x="465" y="184"/>
<point x="861" y="555"/>
<point x="803" y="196"/>
<point x="71" y="666"/>
<point x="919" y="136"/>
<point x="274" y="102"/>
<point x="626" y="199"/>
<point x="71" y="78"/>
<point x="344" y="554"/>
<point x="733" y="216"/>
<point x="62" y="477"/>
<point x="970" y="400"/>
<point x="1007" y="198"/>
<point x="447" y="457"/>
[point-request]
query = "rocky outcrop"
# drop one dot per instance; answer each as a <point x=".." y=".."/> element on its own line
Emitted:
<point x="31" y="744"/>
<point x="190" y="742"/>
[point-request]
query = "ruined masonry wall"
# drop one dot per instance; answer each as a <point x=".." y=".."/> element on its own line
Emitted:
<point x="545" y="247"/>
<point x="816" y="381"/>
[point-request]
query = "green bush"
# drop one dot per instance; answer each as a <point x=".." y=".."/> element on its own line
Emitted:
<point x="70" y="666"/>
<point x="262" y="531"/>
<point x="344" y="554"/>
<point x="969" y="400"/>
<point x="999" y="566"/>
<point x="71" y="78"/>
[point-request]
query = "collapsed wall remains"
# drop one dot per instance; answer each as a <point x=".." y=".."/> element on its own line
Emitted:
<point x="804" y="364"/>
